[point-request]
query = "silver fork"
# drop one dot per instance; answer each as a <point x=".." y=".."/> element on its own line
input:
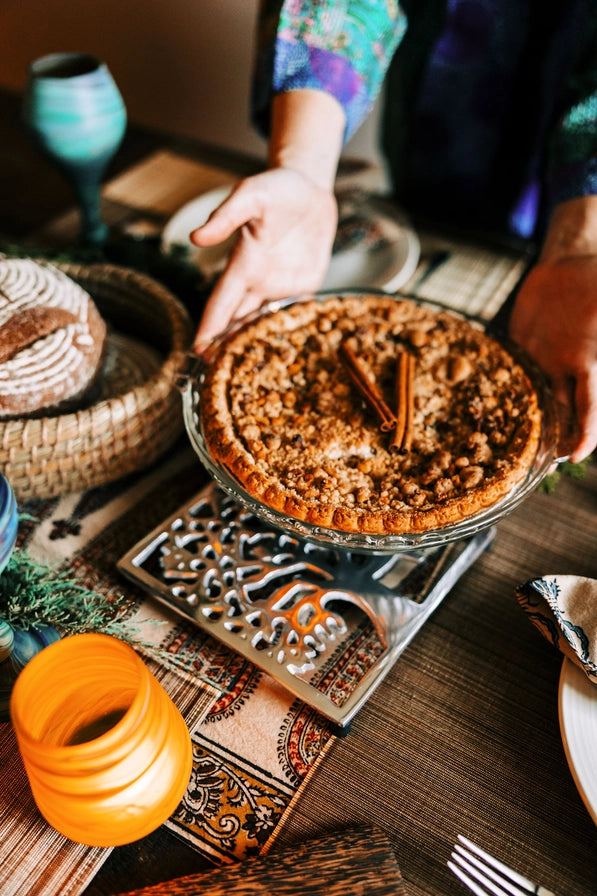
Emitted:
<point x="486" y="876"/>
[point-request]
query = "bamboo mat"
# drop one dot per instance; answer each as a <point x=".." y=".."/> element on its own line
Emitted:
<point x="164" y="182"/>
<point x="470" y="278"/>
<point x="463" y="735"/>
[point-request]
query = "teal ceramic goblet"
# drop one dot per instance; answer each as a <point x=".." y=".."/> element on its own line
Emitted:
<point x="76" y="115"/>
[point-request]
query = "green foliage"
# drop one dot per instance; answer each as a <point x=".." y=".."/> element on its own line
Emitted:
<point x="34" y="594"/>
<point x="575" y="471"/>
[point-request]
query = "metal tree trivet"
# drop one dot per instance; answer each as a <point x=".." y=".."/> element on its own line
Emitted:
<point x="288" y="604"/>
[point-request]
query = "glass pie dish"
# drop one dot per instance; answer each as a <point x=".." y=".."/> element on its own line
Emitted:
<point x="191" y="384"/>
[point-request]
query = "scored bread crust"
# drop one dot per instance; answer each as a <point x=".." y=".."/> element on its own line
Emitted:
<point x="279" y="411"/>
<point x="52" y="340"/>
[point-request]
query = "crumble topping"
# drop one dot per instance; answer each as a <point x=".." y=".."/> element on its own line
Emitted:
<point x="280" y="411"/>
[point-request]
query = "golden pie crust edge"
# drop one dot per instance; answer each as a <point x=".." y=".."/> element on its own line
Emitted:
<point x="225" y="448"/>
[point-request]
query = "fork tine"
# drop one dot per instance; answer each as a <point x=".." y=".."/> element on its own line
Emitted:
<point x="514" y="876"/>
<point x="494" y="883"/>
<point x="469" y="882"/>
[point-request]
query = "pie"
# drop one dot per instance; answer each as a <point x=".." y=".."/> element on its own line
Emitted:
<point x="282" y="411"/>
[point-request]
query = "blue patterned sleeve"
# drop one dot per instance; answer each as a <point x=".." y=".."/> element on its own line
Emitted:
<point x="342" y="47"/>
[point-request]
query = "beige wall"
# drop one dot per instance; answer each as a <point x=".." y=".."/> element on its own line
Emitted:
<point x="183" y="66"/>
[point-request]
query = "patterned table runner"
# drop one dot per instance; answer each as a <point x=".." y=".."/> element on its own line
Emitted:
<point x="253" y="745"/>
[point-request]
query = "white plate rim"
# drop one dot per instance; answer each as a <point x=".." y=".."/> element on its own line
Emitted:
<point x="577" y="709"/>
<point x="405" y="250"/>
<point x="177" y="229"/>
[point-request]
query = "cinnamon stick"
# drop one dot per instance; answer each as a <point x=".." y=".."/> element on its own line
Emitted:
<point x="405" y="374"/>
<point x="367" y="388"/>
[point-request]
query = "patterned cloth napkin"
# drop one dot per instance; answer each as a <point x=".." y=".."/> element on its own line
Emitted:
<point x="564" y="609"/>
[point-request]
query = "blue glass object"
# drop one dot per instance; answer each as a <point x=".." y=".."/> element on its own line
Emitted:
<point x="8" y="521"/>
<point x="17" y="646"/>
<point x="8" y="537"/>
<point x="76" y="115"/>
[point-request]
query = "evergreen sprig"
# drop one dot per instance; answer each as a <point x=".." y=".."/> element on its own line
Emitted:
<point x="33" y="594"/>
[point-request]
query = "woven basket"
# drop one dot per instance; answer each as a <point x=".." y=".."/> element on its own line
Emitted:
<point x="52" y="456"/>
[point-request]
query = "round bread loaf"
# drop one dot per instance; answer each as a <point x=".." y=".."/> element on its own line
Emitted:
<point x="52" y="340"/>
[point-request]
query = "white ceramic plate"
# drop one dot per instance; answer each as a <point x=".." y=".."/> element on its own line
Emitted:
<point x="376" y="247"/>
<point x="578" y="727"/>
<point x="210" y="261"/>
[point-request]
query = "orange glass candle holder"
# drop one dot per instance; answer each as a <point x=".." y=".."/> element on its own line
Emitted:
<point x="106" y="751"/>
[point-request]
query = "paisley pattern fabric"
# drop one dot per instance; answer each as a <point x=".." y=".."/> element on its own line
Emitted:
<point x="491" y="105"/>
<point x="564" y="610"/>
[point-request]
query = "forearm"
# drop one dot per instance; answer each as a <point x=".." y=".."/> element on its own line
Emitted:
<point x="306" y="135"/>
<point x="572" y="230"/>
<point x="555" y="320"/>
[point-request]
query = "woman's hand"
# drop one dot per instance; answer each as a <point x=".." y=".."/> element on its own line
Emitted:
<point x="286" y="218"/>
<point x="555" y="321"/>
<point x="286" y="226"/>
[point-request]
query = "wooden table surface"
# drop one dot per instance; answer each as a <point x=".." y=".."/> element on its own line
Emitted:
<point x="463" y="735"/>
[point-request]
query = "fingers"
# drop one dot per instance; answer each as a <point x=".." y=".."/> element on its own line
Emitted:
<point x="232" y="292"/>
<point x="576" y="406"/>
<point x="585" y="400"/>
<point x="236" y="210"/>
<point x="284" y="228"/>
<point x="568" y="433"/>
<point x="234" y="295"/>
<point x="224" y="302"/>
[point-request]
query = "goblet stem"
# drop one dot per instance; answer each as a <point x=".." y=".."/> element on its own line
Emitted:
<point x="94" y="230"/>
